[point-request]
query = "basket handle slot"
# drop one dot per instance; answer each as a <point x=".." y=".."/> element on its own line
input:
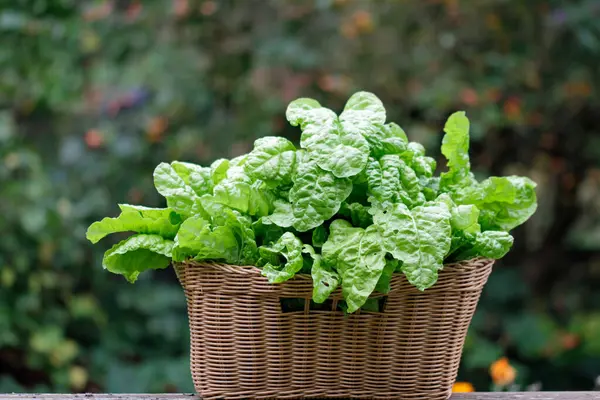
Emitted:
<point x="291" y="304"/>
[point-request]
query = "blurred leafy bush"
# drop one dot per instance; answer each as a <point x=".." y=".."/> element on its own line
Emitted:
<point x="93" y="94"/>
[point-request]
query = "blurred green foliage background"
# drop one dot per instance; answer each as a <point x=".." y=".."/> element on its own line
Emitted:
<point x="94" y="94"/>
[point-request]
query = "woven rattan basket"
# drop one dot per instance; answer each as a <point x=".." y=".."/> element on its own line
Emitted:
<point x="244" y="346"/>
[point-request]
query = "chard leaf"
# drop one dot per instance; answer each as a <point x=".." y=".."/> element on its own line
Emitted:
<point x="383" y="178"/>
<point x="465" y="225"/>
<point x="218" y="170"/>
<point x="325" y="280"/>
<point x="341" y="152"/>
<point x="431" y="188"/>
<point x="195" y="176"/>
<point x="490" y="244"/>
<point x="383" y="284"/>
<point x="160" y="221"/>
<point x="363" y="114"/>
<point x="238" y="161"/>
<point x="358" y="214"/>
<point x="272" y="160"/>
<point x="137" y="254"/>
<point x="310" y="115"/>
<point x="316" y="195"/>
<point x="241" y="226"/>
<point x="266" y="232"/>
<point x="236" y="190"/>
<point x="420" y="238"/>
<point x="288" y="246"/>
<point x="410" y="192"/>
<point x="359" y="258"/>
<point x="371" y="305"/>
<point x="465" y="219"/>
<point x="423" y="166"/>
<point x="493" y="244"/>
<point x="455" y="147"/>
<point x="319" y="236"/>
<point x="233" y="192"/>
<point x="391" y="180"/>
<point x="389" y="139"/>
<point x="413" y="151"/>
<point x="261" y="200"/>
<point x="282" y="214"/>
<point x="394" y="131"/>
<point x="504" y="202"/>
<point x="180" y="196"/>
<point x="197" y="239"/>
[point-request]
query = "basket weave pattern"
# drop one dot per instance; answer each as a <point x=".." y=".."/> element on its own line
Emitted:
<point x="244" y="346"/>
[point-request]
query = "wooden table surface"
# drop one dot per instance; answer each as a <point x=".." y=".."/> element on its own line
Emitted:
<point x="458" y="396"/>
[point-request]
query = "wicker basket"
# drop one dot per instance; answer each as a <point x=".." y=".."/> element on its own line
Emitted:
<point x="244" y="346"/>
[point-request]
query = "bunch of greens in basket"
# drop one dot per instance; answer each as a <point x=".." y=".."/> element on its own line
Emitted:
<point x="355" y="204"/>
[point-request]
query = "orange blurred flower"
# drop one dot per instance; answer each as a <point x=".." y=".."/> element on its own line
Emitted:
<point x="569" y="341"/>
<point x="535" y="119"/>
<point x="363" y="21"/>
<point x="577" y="89"/>
<point x="156" y="127"/>
<point x="512" y="108"/>
<point x="348" y="30"/>
<point x="98" y="12"/>
<point x="469" y="96"/>
<point x="94" y="139"/>
<point x="502" y="372"/>
<point x="493" y="94"/>
<point x="181" y="7"/>
<point x="462" y="387"/>
<point x="492" y="21"/>
<point x="208" y="8"/>
<point x="451" y="7"/>
<point x="134" y="10"/>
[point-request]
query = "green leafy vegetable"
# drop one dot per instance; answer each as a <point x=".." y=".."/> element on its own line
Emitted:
<point x="325" y="280"/>
<point x="358" y="192"/>
<point x="359" y="258"/>
<point x="357" y="213"/>
<point x="195" y="176"/>
<point x="137" y="254"/>
<point x="363" y="114"/>
<point x="389" y="139"/>
<point x="455" y="147"/>
<point x="180" y="196"/>
<point x="218" y="170"/>
<point x="391" y="180"/>
<point x="420" y="238"/>
<point x="319" y="236"/>
<point x="238" y="191"/>
<point x="272" y="160"/>
<point x="490" y="244"/>
<point x="334" y="148"/>
<point x="288" y="246"/>
<point x="504" y="202"/>
<point x="316" y="195"/>
<point x="160" y="221"/>
<point x="383" y="284"/>
<point x="198" y="239"/>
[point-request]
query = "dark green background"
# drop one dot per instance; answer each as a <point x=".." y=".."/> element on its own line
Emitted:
<point x="94" y="94"/>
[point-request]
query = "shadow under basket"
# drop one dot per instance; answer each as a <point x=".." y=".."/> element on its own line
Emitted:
<point x="251" y="339"/>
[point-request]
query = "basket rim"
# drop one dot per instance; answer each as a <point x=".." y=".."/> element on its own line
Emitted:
<point x="254" y="270"/>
